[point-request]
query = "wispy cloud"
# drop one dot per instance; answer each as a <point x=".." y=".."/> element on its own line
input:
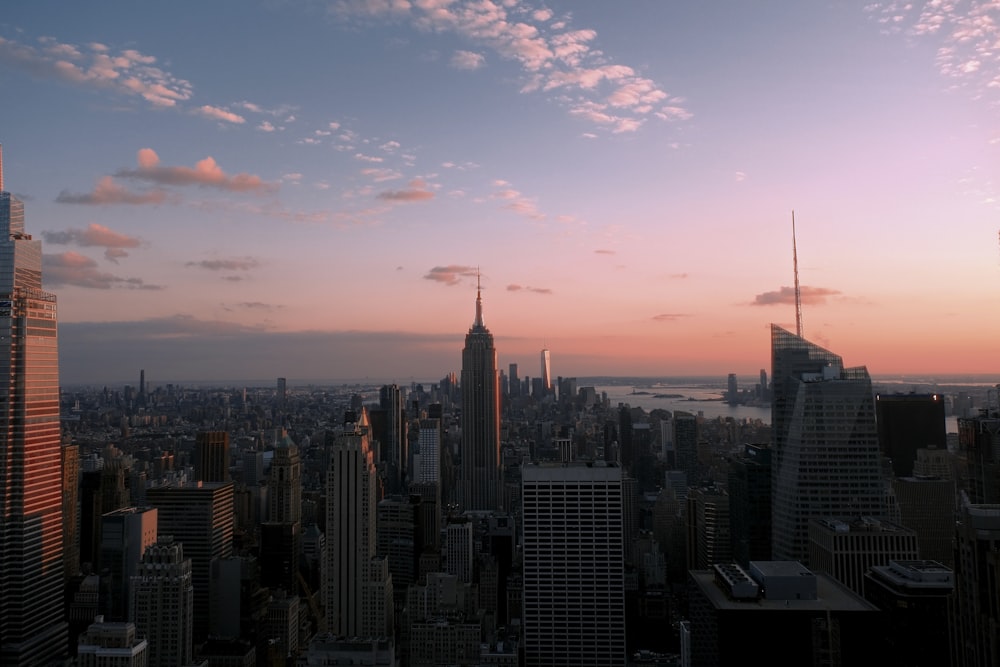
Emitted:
<point x="416" y="192"/>
<point x="605" y="252"/>
<point x="516" y="201"/>
<point x="553" y="58"/>
<point x="206" y="173"/>
<point x="73" y="269"/>
<point x="216" y="113"/>
<point x="669" y="317"/>
<point x="231" y="264"/>
<point x="451" y="274"/>
<point x="786" y="296"/>
<point x="967" y="35"/>
<point x="107" y="191"/>
<point x="514" y="287"/>
<point x="95" y="235"/>
<point x="127" y="72"/>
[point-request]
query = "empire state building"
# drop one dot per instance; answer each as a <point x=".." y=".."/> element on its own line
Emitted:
<point x="480" y="485"/>
<point x="32" y="631"/>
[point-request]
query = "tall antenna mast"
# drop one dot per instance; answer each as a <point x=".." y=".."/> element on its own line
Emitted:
<point x="798" y="293"/>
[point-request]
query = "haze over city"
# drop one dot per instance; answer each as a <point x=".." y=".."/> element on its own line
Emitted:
<point x="238" y="190"/>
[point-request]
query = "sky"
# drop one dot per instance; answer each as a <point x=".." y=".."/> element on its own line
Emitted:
<point x="244" y="189"/>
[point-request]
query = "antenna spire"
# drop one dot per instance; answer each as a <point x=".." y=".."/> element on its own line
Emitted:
<point x="479" y="300"/>
<point x="798" y="293"/>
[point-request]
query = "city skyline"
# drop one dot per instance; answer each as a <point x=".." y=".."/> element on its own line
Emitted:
<point x="310" y="190"/>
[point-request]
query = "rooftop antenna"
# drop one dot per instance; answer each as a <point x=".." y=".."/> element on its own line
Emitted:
<point x="798" y="293"/>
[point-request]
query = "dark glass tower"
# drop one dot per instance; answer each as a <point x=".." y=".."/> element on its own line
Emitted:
<point x="480" y="485"/>
<point x="826" y="454"/>
<point x="32" y="630"/>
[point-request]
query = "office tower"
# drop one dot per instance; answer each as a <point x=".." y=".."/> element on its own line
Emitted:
<point x="71" y="509"/>
<point x="709" y="540"/>
<point x="32" y="630"/>
<point x="514" y="382"/>
<point x="392" y="438"/>
<point x="429" y="441"/>
<point x="281" y="628"/>
<point x="429" y="514"/>
<point x="200" y="516"/>
<point x="284" y="486"/>
<point x="913" y="596"/>
<point x="480" y="485"/>
<point x="846" y="548"/>
<point x="906" y="423"/>
<point x="163" y="603"/>
<point x="732" y="390"/>
<point x="975" y="610"/>
<point x="776" y="613"/>
<point x="125" y="536"/>
<point x="354" y="595"/>
<point x="979" y="444"/>
<point x="281" y="392"/>
<point x="280" y="546"/>
<point x="211" y="456"/>
<point x="546" y="375"/>
<point x="112" y="644"/>
<point x="826" y="456"/>
<point x="574" y="588"/>
<point x="686" y="444"/>
<point x="459" y="549"/>
<point x="142" y="382"/>
<point x="750" y="504"/>
<point x="927" y="506"/>
<point x="399" y="540"/>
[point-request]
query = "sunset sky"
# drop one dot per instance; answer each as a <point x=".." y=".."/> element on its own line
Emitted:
<point x="234" y="189"/>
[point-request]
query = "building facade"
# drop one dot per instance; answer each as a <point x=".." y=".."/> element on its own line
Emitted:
<point x="480" y="484"/>
<point x="32" y="629"/>
<point x="573" y="558"/>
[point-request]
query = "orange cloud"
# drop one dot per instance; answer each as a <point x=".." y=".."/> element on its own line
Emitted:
<point x="206" y="173"/>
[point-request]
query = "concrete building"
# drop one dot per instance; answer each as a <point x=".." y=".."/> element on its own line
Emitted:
<point x="112" y="644"/>
<point x="163" y="603"/>
<point x="573" y="564"/>
<point x="846" y="548"/>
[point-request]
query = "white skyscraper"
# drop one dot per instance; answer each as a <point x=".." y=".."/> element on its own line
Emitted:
<point x="574" y="581"/>
<point x="546" y="371"/>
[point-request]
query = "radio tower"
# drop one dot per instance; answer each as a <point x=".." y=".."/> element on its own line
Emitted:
<point x="798" y="294"/>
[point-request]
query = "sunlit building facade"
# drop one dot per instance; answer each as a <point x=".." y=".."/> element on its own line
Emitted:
<point x="32" y="630"/>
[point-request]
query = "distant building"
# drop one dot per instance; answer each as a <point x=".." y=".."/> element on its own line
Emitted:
<point x="163" y="603"/>
<point x="709" y="540"/>
<point x="750" y="504"/>
<point x="906" y="423"/>
<point x="480" y="484"/>
<point x="927" y="506"/>
<point x="212" y="456"/>
<point x="846" y="549"/>
<point x="826" y="455"/>
<point x="112" y="644"/>
<point x="573" y="551"/>
<point x="546" y="372"/>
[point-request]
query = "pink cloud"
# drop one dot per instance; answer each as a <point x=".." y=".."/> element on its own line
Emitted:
<point x="786" y="296"/>
<point x="416" y="192"/>
<point x="109" y="192"/>
<point x="451" y="274"/>
<point x="216" y="113"/>
<point x="528" y="288"/>
<point x="206" y="173"/>
<point x="73" y="269"/>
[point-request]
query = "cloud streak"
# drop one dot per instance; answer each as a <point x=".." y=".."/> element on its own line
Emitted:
<point x="108" y="192"/>
<point x="206" y="173"/>
<point x="73" y="269"/>
<point x="786" y="296"/>
<point x="514" y="287"/>
<point x="451" y="274"/>
<point x="95" y="235"/>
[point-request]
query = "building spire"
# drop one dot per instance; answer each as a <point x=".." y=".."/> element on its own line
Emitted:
<point x="479" y="302"/>
<point x="798" y="294"/>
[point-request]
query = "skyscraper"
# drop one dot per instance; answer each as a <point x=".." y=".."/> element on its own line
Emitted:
<point x="480" y="486"/>
<point x="546" y="371"/>
<point x="162" y="603"/>
<point x="212" y="456"/>
<point x="906" y="423"/>
<point x="574" y="581"/>
<point x="826" y="454"/>
<point x="358" y="583"/>
<point x="32" y="630"/>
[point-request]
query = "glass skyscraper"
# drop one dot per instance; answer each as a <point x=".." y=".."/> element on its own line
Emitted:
<point x="32" y="630"/>
<point x="826" y="453"/>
